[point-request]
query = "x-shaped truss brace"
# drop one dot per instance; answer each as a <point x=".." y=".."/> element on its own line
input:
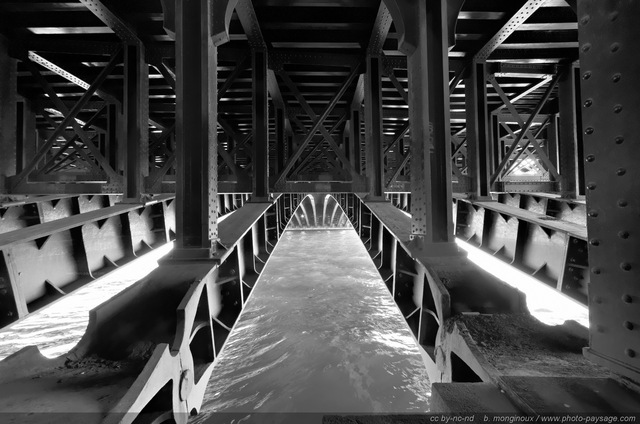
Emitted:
<point x="69" y="119"/>
<point x="525" y="130"/>
<point x="318" y="125"/>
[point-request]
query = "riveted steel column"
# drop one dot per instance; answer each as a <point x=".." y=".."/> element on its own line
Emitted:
<point x="478" y="141"/>
<point x="112" y="135"/>
<point x="136" y="114"/>
<point x="8" y="111"/>
<point x="260" y="109"/>
<point x="281" y="142"/>
<point x="609" y="61"/>
<point x="373" y="126"/>
<point x="431" y="198"/>
<point x="354" y="139"/>
<point x="196" y="132"/>
<point x="26" y="135"/>
<point x="567" y="139"/>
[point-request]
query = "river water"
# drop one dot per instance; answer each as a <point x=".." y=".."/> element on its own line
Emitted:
<point x="320" y="333"/>
<point x="58" y="327"/>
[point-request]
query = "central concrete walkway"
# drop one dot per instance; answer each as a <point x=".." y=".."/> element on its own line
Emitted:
<point x="320" y="334"/>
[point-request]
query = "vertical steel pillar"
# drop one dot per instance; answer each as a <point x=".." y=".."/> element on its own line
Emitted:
<point x="431" y="197"/>
<point x="281" y="145"/>
<point x="567" y="137"/>
<point x="8" y="113"/>
<point x="478" y="141"/>
<point x="112" y="135"/>
<point x="26" y="135"/>
<point x="289" y="140"/>
<point x="354" y="139"/>
<point x="373" y="127"/>
<point x="260" y="109"/>
<point x="552" y="145"/>
<point x="608" y="34"/>
<point x="136" y="113"/>
<point x="196" y="131"/>
<point x="494" y="144"/>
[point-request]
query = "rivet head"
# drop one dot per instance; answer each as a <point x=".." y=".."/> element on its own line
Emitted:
<point x="596" y="270"/>
<point x="593" y="213"/>
<point x="590" y="158"/>
<point x="589" y="130"/>
<point x="586" y="75"/>
<point x="588" y="103"/>
<point x="585" y="20"/>
<point x="616" y="77"/>
<point x="619" y="140"/>
<point x="591" y="186"/>
<point x="630" y="353"/>
<point x="615" y="47"/>
<point x="586" y="47"/>
<point x="594" y="242"/>
<point x="628" y="325"/>
<point x="626" y="266"/>
<point x="622" y="203"/>
<point x="626" y="298"/>
<point x="620" y="172"/>
<point x="617" y="109"/>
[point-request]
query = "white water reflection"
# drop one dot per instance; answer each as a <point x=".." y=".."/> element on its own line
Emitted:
<point x="320" y="333"/>
<point x="58" y="327"/>
<point x="545" y="304"/>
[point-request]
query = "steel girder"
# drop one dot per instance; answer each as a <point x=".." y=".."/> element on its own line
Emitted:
<point x="53" y="245"/>
<point x="204" y="299"/>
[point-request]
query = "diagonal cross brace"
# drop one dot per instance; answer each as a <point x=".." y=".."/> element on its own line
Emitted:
<point x="317" y="146"/>
<point x="524" y="148"/>
<point x="525" y="129"/>
<point x="51" y="164"/>
<point x="71" y="142"/>
<point x="69" y="117"/>
<point x="396" y="173"/>
<point x="59" y="104"/>
<point x="318" y="121"/>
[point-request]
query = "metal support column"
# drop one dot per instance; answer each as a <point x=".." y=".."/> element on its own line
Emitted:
<point x="431" y="198"/>
<point x="373" y="127"/>
<point x="26" y="135"/>
<point x="8" y="111"/>
<point x="608" y="33"/>
<point x="196" y="132"/>
<point x="552" y="145"/>
<point x="567" y="135"/>
<point x="354" y="139"/>
<point x="281" y="140"/>
<point x="260" y="109"/>
<point x="478" y="142"/>
<point x="136" y="114"/>
<point x="112" y="135"/>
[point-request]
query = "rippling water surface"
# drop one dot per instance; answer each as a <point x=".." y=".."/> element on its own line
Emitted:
<point x="320" y="333"/>
<point x="57" y="328"/>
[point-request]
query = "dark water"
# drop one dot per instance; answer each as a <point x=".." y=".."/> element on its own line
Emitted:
<point x="319" y="334"/>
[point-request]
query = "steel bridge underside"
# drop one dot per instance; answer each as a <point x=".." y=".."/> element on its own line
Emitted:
<point x="508" y="124"/>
